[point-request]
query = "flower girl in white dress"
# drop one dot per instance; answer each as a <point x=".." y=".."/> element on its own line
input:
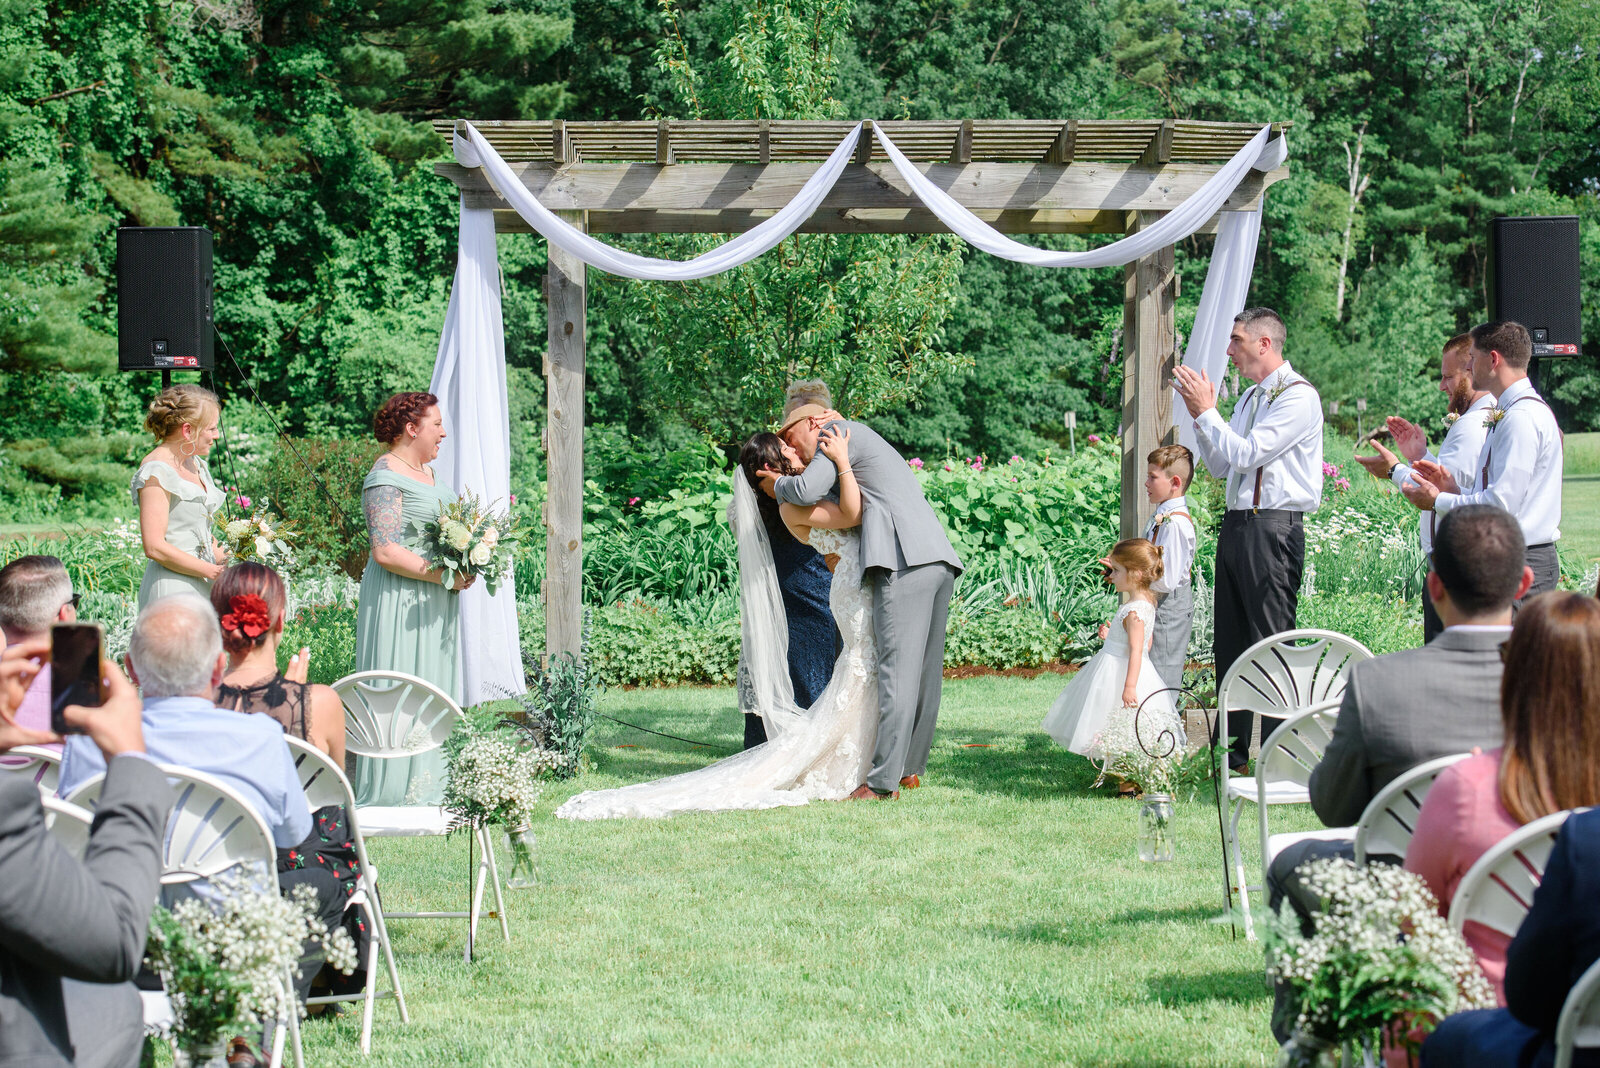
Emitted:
<point x="1094" y="714"/>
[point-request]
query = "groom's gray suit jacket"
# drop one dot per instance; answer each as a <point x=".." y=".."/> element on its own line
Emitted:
<point x="898" y="527"/>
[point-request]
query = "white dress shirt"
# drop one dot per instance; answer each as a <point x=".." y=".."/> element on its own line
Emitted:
<point x="1523" y="455"/>
<point x="1281" y="437"/>
<point x="1460" y="454"/>
<point x="1176" y="538"/>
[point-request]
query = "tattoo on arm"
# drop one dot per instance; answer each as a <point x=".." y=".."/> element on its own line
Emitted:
<point x="382" y="463"/>
<point x="384" y="519"/>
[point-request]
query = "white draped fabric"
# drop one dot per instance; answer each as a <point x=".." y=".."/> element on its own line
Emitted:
<point x="469" y="378"/>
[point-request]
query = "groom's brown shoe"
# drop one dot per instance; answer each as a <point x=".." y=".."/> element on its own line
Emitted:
<point x="867" y="793"/>
<point x="910" y="782"/>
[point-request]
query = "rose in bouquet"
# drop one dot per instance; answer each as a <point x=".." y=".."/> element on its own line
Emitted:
<point x="469" y="540"/>
<point x="262" y="537"/>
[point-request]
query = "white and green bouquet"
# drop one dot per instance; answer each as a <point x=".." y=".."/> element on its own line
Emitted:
<point x="466" y="538"/>
<point x="225" y="961"/>
<point x="261" y="537"/>
<point x="1379" y="961"/>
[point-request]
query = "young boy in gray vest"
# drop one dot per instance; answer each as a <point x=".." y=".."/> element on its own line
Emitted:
<point x="1167" y="474"/>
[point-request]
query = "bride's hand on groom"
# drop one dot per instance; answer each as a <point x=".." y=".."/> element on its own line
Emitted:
<point x="834" y="443"/>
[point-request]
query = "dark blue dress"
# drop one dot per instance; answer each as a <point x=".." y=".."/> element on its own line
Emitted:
<point x="814" y="642"/>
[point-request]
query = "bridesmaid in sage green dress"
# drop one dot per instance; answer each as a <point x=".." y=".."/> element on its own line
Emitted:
<point x="177" y="500"/>
<point x="406" y="621"/>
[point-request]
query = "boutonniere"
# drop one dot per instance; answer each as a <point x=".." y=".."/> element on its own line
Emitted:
<point x="1451" y="417"/>
<point x="1277" y="390"/>
<point x="1493" y="416"/>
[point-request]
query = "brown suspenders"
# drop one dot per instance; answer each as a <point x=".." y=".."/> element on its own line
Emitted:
<point x="1488" y="451"/>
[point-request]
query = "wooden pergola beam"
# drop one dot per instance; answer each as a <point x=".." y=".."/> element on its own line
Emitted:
<point x="745" y="187"/>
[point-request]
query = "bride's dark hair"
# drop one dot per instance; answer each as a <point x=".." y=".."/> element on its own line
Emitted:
<point x="765" y="450"/>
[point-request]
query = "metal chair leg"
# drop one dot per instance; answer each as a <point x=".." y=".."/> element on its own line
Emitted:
<point x="494" y="880"/>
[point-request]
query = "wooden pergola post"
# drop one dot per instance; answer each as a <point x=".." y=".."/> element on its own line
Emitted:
<point x="1083" y="176"/>
<point x="1150" y="356"/>
<point x="566" y="308"/>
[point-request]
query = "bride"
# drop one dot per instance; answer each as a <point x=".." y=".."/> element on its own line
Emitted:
<point x="820" y="753"/>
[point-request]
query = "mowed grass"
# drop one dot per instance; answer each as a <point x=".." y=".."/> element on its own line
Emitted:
<point x="997" y="916"/>
<point x="1580" y="499"/>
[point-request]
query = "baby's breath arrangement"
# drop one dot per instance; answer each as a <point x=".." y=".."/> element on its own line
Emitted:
<point x="467" y="538"/>
<point x="225" y="961"/>
<point x="493" y="776"/>
<point x="1379" y="959"/>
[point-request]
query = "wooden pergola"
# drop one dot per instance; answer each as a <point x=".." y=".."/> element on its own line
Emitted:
<point x="1076" y="176"/>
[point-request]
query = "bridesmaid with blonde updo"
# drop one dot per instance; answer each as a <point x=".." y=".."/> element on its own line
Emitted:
<point x="177" y="499"/>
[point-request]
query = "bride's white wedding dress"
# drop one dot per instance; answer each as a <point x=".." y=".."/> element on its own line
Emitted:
<point x="819" y="754"/>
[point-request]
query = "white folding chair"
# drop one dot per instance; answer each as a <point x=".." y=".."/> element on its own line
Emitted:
<point x="1578" y="1026"/>
<point x="67" y="824"/>
<point x="392" y="716"/>
<point x="211" y="830"/>
<point x="43" y="765"/>
<point x="1278" y="676"/>
<point x="325" y="784"/>
<point x="1497" y="890"/>
<point x="1390" y="818"/>
<point x="1283" y="771"/>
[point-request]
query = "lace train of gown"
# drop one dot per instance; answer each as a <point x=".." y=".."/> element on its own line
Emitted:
<point x="822" y="760"/>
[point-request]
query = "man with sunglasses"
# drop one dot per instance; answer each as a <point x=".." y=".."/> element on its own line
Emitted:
<point x="35" y="594"/>
<point x="1521" y="464"/>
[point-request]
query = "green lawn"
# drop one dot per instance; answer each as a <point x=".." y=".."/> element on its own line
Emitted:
<point x="996" y="916"/>
<point x="1580" y="499"/>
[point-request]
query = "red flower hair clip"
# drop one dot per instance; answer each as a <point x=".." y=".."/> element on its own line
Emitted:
<point x="249" y="616"/>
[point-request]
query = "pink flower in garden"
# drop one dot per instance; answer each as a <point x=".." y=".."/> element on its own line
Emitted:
<point x="1093" y="439"/>
<point x="1329" y="470"/>
<point x="1014" y="459"/>
<point x="1341" y="483"/>
<point x="977" y="465"/>
<point x="632" y="501"/>
<point x="513" y="500"/>
<point x="242" y="501"/>
<point x="916" y="465"/>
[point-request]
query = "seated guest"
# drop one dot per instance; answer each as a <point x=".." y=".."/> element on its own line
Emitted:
<point x="175" y="656"/>
<point x="1410" y="707"/>
<point x="250" y="602"/>
<point x="1555" y="945"/>
<point x="35" y="594"/>
<point x="72" y="932"/>
<point x="1549" y="760"/>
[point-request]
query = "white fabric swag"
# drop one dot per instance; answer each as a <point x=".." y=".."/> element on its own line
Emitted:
<point x="470" y="376"/>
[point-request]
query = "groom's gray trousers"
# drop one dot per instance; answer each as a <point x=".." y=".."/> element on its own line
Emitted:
<point x="909" y="610"/>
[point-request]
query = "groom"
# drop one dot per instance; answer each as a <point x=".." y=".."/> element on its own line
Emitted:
<point x="910" y="567"/>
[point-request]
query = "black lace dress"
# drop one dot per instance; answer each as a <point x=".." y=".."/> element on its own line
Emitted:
<point x="329" y="853"/>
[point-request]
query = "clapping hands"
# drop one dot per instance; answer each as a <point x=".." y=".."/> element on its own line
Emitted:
<point x="1199" y="393"/>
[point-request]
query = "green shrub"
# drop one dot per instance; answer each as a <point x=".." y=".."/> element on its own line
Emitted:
<point x="1004" y="638"/>
<point x="641" y="643"/>
<point x="330" y="633"/>
<point x="324" y="501"/>
<point x="1382" y="624"/>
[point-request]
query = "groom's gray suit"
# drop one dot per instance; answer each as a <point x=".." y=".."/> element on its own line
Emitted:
<point x="911" y="569"/>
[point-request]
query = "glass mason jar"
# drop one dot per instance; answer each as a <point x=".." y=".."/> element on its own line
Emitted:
<point x="1155" y="828"/>
<point x="213" y="1054"/>
<point x="521" y="844"/>
<point x="1308" y="1051"/>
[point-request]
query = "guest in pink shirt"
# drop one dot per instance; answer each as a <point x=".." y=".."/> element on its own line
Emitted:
<point x="1549" y="761"/>
<point x="35" y="594"/>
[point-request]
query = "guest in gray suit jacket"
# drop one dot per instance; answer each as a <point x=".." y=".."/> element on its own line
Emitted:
<point x="911" y="568"/>
<point x="1413" y="706"/>
<point x="72" y="932"/>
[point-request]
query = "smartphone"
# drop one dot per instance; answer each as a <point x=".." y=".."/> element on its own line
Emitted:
<point x="76" y="650"/>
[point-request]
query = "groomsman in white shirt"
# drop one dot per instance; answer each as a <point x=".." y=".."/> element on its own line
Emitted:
<point x="1168" y="471"/>
<point x="1458" y="454"/>
<point x="1270" y="455"/>
<point x="1521" y="464"/>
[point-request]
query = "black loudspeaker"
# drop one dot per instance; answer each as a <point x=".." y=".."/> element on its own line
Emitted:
<point x="164" y="298"/>
<point x="1533" y="280"/>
